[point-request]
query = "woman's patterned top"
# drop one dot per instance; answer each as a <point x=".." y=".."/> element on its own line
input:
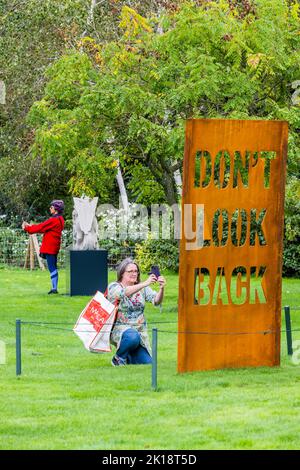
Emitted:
<point x="130" y="312"/>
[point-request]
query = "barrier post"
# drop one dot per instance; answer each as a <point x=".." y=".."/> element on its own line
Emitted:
<point x="288" y="330"/>
<point x="154" y="359"/>
<point x="18" y="348"/>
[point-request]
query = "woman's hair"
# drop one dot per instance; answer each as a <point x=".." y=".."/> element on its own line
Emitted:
<point x="58" y="205"/>
<point x="122" y="268"/>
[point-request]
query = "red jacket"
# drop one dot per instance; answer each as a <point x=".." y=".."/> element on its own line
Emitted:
<point x="52" y="229"/>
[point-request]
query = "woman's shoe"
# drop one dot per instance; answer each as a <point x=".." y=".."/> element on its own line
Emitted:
<point x="53" y="291"/>
<point x="118" y="361"/>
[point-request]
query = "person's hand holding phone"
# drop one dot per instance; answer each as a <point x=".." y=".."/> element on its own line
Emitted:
<point x="151" y="280"/>
<point x="162" y="282"/>
<point x="158" y="277"/>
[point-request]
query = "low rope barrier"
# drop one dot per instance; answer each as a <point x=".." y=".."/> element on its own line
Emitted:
<point x="224" y="333"/>
<point x="263" y="332"/>
<point x="133" y="324"/>
<point x="69" y="323"/>
<point x="51" y="325"/>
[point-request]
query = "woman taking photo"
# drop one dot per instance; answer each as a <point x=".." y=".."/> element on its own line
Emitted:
<point x="52" y="229"/>
<point x="129" y="334"/>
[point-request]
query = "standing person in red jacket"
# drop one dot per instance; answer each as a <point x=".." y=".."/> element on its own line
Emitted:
<point x="52" y="229"/>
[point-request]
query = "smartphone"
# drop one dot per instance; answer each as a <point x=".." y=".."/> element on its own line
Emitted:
<point x="155" y="270"/>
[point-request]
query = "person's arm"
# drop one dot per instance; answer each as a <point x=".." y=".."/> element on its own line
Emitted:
<point x="130" y="290"/>
<point x="38" y="228"/>
<point x="160" y="294"/>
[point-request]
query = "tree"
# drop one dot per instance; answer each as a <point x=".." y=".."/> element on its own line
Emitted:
<point x="34" y="35"/>
<point x="216" y="59"/>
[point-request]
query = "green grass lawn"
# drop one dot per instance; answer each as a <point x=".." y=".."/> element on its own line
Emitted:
<point x="68" y="398"/>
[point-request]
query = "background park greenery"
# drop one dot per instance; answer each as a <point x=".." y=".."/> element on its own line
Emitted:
<point x="68" y="398"/>
<point x="90" y="84"/>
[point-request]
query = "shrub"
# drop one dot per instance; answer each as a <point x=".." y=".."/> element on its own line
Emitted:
<point x="164" y="253"/>
<point x="291" y="258"/>
<point x="117" y="250"/>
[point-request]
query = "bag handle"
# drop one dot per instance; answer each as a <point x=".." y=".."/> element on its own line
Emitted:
<point x="116" y="304"/>
<point x="117" y="301"/>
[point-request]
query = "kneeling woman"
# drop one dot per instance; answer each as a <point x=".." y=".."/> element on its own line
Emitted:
<point x="129" y="333"/>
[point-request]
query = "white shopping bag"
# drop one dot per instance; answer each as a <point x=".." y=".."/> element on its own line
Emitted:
<point x="95" y="322"/>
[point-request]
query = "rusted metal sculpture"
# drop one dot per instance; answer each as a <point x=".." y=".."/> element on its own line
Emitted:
<point x="230" y="285"/>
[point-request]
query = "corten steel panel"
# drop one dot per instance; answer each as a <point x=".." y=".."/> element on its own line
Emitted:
<point x="224" y="334"/>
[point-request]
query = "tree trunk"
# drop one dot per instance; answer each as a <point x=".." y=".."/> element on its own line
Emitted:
<point x="90" y="18"/>
<point x="122" y="189"/>
<point x="2" y="92"/>
<point x="169" y="186"/>
<point x="178" y="182"/>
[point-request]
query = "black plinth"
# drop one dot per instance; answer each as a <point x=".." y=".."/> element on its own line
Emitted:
<point x="86" y="271"/>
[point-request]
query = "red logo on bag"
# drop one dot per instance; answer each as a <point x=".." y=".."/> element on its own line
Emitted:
<point x="96" y="315"/>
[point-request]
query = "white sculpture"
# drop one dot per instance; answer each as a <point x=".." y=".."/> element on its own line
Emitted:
<point x="85" y="225"/>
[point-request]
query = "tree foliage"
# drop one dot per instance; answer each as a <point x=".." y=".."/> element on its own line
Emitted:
<point x="34" y="35"/>
<point x="129" y="99"/>
<point x="127" y="76"/>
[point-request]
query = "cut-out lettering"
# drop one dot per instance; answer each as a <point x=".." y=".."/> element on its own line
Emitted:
<point x="238" y="227"/>
<point x="241" y="169"/>
<point x="202" y="289"/>
<point x="222" y="169"/>
<point x="257" y="294"/>
<point x="231" y="170"/>
<point x="256" y="230"/>
<point x="239" y="286"/>
<point x="220" y="227"/>
<point x="220" y="294"/>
